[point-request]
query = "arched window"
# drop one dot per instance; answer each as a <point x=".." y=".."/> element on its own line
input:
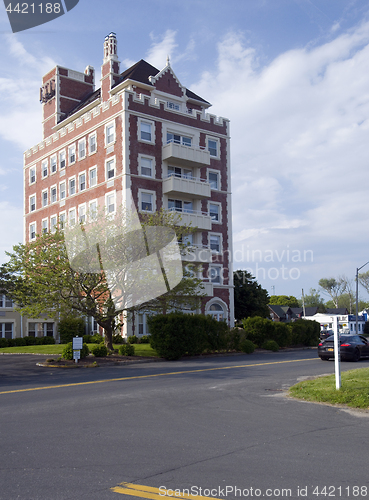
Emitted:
<point x="217" y="311"/>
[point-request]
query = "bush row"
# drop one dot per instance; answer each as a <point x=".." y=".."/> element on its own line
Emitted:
<point x="21" y="341"/>
<point x="300" y="332"/>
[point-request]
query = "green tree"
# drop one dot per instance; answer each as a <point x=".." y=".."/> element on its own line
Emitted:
<point x="250" y="299"/>
<point x="283" y="300"/>
<point x="313" y="299"/>
<point x="334" y="288"/>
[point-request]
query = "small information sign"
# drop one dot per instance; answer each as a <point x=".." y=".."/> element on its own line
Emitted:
<point x="77" y="343"/>
<point x="77" y="354"/>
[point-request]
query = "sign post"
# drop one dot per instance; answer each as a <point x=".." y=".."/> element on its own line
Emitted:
<point x="77" y="346"/>
<point x="337" y="354"/>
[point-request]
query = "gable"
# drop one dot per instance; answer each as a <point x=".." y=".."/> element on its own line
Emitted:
<point x="167" y="82"/>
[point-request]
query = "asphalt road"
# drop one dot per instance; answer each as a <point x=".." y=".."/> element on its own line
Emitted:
<point x="217" y="424"/>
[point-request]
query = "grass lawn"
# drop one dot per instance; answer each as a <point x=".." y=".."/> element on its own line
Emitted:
<point x="140" y="349"/>
<point x="354" y="390"/>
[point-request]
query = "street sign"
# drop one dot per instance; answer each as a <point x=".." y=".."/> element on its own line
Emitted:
<point x="77" y="343"/>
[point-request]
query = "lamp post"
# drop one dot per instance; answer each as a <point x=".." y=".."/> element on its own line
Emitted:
<point x="357" y="294"/>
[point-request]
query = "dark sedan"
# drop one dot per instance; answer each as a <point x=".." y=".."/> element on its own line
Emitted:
<point x="352" y="347"/>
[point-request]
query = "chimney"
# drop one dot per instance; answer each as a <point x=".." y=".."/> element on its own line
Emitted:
<point x="110" y="68"/>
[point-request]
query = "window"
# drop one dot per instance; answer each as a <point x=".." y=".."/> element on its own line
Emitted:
<point x="110" y="169"/>
<point x="44" y="226"/>
<point x="53" y="164"/>
<point x="62" y="191"/>
<point x="72" y="216"/>
<point x="82" y="213"/>
<point x="62" y="159"/>
<point x="215" y="242"/>
<point x="214" y="212"/>
<point x="32" y="175"/>
<point x="215" y="274"/>
<point x="146" y="167"/>
<point x="93" y="210"/>
<point x="178" y="139"/>
<point x="32" y="231"/>
<point x="147" y="202"/>
<point x="53" y="223"/>
<point x="81" y="149"/>
<point x="186" y="173"/>
<point x="92" y="143"/>
<point x="180" y="206"/>
<point x="44" y="168"/>
<point x="62" y="220"/>
<point x="32" y="203"/>
<point x="72" y="186"/>
<point x="213" y="147"/>
<point x="214" y="180"/>
<point x="82" y="182"/>
<point x="110" y="133"/>
<point x="93" y="177"/>
<point x="5" y="302"/>
<point x="110" y="203"/>
<point x="72" y="154"/>
<point x="53" y="194"/>
<point x="173" y="105"/>
<point x="44" y="198"/>
<point x="145" y="131"/>
<point x="6" y="330"/>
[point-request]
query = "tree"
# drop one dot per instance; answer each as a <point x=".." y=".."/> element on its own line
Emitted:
<point x="98" y="270"/>
<point x="313" y="299"/>
<point x="334" y="288"/>
<point x="364" y="280"/>
<point x="283" y="300"/>
<point x="250" y="299"/>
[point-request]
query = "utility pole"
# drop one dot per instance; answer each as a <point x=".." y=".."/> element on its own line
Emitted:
<point x="357" y="295"/>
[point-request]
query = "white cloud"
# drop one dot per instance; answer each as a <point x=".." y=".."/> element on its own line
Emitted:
<point x="11" y="226"/>
<point x="300" y="148"/>
<point x="159" y="50"/>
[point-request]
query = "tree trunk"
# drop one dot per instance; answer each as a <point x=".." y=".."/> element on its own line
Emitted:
<point x="108" y="331"/>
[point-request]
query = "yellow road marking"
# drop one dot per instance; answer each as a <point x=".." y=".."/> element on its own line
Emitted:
<point x="155" y="375"/>
<point x="138" y="490"/>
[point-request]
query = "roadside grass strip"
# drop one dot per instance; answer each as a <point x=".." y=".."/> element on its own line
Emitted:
<point x="354" y="391"/>
<point x="138" y="490"/>
<point x="52" y="349"/>
<point x="182" y="372"/>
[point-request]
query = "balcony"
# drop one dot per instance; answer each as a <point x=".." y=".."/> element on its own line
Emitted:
<point x="186" y="155"/>
<point x="193" y="186"/>
<point x="197" y="253"/>
<point x="193" y="218"/>
<point x="206" y="289"/>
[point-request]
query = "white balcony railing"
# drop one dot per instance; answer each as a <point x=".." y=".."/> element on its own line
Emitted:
<point x="197" y="253"/>
<point x="193" y="218"/>
<point x="195" y="187"/>
<point x="186" y="155"/>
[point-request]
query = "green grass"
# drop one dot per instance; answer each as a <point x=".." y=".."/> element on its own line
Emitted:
<point x="354" y="389"/>
<point x="140" y="349"/>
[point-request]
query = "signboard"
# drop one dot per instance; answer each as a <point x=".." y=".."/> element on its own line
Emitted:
<point x="77" y="354"/>
<point x="77" y="343"/>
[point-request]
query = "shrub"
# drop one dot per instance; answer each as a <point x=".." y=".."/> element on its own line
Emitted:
<point x="247" y="346"/>
<point x="282" y="334"/>
<point x="68" y="351"/>
<point x="87" y="339"/>
<point x="118" y="339"/>
<point x="3" y="343"/>
<point x="97" y="338"/>
<point x="305" y="332"/>
<point x="30" y="340"/>
<point x="45" y="340"/>
<point x="20" y="341"/>
<point x="126" y="350"/>
<point x="99" y="350"/>
<point x="11" y="343"/>
<point x="132" y="339"/>
<point x="145" y="339"/>
<point x="258" y="330"/>
<point x="270" y="345"/>
<point x="234" y="338"/>
<point x="70" y="327"/>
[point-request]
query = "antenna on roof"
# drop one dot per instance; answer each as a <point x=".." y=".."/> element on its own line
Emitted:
<point x="168" y="61"/>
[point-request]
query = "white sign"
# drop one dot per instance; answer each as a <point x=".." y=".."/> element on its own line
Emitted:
<point x="77" y="343"/>
<point x="77" y="354"/>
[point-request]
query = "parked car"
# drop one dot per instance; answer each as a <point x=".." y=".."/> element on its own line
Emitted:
<point x="352" y="347"/>
<point x="324" y="334"/>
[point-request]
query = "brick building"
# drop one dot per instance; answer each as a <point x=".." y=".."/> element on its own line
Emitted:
<point x="143" y="131"/>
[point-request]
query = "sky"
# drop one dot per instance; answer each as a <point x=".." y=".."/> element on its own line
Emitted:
<point x="291" y="75"/>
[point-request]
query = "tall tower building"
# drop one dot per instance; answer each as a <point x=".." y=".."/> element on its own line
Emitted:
<point x="144" y="131"/>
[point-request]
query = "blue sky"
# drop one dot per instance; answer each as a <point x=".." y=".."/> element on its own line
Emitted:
<point x="292" y="76"/>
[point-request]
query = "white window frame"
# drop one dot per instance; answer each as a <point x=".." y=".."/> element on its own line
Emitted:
<point x="72" y="154"/>
<point x="43" y="198"/>
<point x="72" y="211"/>
<point x="147" y="191"/>
<point x="53" y="162"/>
<point x="4" y="302"/>
<point x="220" y="211"/>
<point x="107" y="162"/>
<point x="176" y="106"/>
<point x="53" y="223"/>
<point x="69" y="186"/>
<point x="92" y="215"/>
<point x="181" y="136"/>
<point x="79" y="181"/>
<point x="217" y="141"/>
<point x="111" y="194"/>
<point x="112" y="137"/>
<point x="217" y="172"/>
<point x="30" y="232"/>
<point x="153" y="169"/>
<point x="33" y="171"/>
<point x="219" y="269"/>
<point x="31" y="204"/>
<point x="45" y="226"/>
<point x="62" y="219"/>
<point x="62" y="158"/>
<point x="82" y="153"/>
<point x="148" y="122"/>
<point x="2" y="328"/>
<point x="82" y="214"/>
<point x="61" y="198"/>
<point x="51" y="194"/>
<point x="220" y="236"/>
<point x="44" y="168"/>
<point x="89" y="176"/>
<point x="91" y="136"/>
